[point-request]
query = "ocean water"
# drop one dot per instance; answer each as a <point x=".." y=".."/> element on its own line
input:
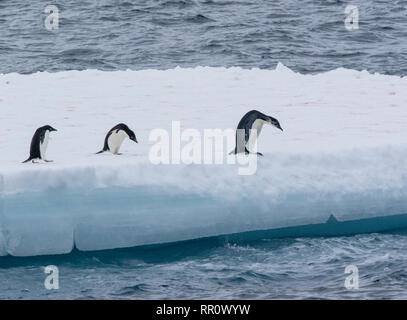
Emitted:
<point x="300" y="268"/>
<point x="308" y="37"/>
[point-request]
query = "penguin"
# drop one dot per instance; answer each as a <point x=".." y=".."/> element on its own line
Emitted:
<point x="115" y="138"/>
<point x="246" y="139"/>
<point x="39" y="144"/>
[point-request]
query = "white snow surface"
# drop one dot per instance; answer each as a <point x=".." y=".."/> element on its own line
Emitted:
<point x="343" y="152"/>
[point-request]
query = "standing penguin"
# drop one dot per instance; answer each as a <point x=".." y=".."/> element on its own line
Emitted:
<point x="39" y="144"/>
<point x="115" y="138"/>
<point x="253" y="120"/>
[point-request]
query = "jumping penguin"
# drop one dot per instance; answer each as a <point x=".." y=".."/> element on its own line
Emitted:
<point x="115" y="138"/>
<point x="246" y="139"/>
<point x="39" y="144"/>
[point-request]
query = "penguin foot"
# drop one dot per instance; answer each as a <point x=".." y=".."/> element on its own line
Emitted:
<point x="48" y="160"/>
<point x="247" y="152"/>
<point x="256" y="153"/>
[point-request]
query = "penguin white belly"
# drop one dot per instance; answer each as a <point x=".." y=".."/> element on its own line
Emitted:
<point x="44" y="145"/>
<point x="254" y="134"/>
<point x="115" y="140"/>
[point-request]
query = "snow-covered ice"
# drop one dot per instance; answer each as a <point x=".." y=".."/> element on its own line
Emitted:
<point x="343" y="151"/>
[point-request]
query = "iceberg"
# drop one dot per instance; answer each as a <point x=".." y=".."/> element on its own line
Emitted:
<point x="340" y="164"/>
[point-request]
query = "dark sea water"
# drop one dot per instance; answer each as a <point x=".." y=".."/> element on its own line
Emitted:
<point x="209" y="269"/>
<point x="307" y="36"/>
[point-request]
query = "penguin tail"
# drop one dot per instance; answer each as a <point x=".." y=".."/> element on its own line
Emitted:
<point x="29" y="159"/>
<point x="233" y="151"/>
<point x="103" y="150"/>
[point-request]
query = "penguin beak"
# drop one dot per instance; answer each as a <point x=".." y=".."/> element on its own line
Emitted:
<point x="277" y="125"/>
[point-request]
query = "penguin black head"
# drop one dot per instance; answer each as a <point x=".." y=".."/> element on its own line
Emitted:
<point x="130" y="133"/>
<point x="274" y="122"/>
<point x="132" y="136"/>
<point x="49" y="128"/>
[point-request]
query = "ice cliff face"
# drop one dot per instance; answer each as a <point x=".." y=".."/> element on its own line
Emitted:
<point x="110" y="207"/>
